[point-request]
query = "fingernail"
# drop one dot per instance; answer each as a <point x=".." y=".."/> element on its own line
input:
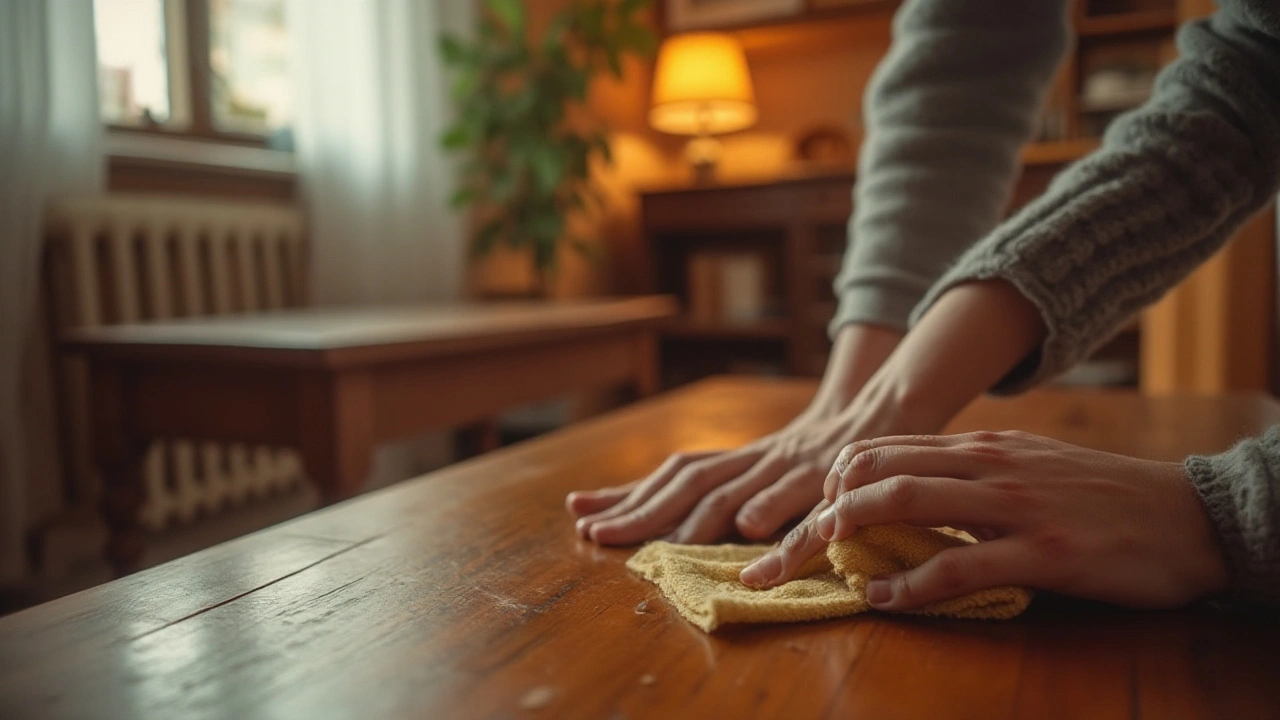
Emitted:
<point x="762" y="571"/>
<point x="827" y="524"/>
<point x="582" y="526"/>
<point x="879" y="592"/>
<point x="830" y="485"/>
<point x="593" y="531"/>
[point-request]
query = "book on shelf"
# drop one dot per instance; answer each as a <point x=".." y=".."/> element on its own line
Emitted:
<point x="727" y="287"/>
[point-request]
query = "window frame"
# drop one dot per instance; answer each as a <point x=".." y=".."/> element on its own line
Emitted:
<point x="188" y="43"/>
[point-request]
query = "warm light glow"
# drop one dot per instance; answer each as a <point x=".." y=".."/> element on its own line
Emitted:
<point x="702" y="86"/>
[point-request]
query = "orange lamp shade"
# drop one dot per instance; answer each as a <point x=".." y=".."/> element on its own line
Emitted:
<point x="702" y="86"/>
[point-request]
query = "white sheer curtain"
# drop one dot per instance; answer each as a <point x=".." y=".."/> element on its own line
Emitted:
<point x="50" y="143"/>
<point x="373" y="102"/>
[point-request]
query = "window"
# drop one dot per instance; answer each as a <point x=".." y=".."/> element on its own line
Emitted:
<point x="249" y="63"/>
<point x="133" y="62"/>
<point x="211" y="69"/>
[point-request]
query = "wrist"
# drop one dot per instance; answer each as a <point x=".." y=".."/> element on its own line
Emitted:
<point x="857" y="352"/>
<point x="1204" y="570"/>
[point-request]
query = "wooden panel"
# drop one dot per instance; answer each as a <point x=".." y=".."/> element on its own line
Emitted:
<point x="213" y="403"/>
<point x="141" y="175"/>
<point x="729" y="207"/>
<point x="470" y="387"/>
<point x="1214" y="332"/>
<point x="466" y="594"/>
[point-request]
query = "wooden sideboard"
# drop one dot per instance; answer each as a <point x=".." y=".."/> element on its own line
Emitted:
<point x="799" y="227"/>
<point x="796" y="226"/>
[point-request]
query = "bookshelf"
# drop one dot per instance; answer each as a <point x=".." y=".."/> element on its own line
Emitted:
<point x="799" y="226"/>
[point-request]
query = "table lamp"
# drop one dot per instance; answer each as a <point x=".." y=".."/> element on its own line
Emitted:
<point x="702" y="88"/>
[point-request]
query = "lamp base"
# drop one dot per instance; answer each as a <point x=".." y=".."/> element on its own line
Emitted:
<point x="703" y="153"/>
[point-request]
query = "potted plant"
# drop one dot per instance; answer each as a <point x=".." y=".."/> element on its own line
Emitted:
<point x="526" y="164"/>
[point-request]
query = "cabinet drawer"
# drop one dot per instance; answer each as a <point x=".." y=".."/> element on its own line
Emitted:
<point x="718" y="208"/>
<point x="826" y="203"/>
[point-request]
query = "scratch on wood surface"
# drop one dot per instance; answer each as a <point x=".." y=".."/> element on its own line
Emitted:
<point x="538" y="698"/>
<point x="525" y="609"/>
<point x="250" y="591"/>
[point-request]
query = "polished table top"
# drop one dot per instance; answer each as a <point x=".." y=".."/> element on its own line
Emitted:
<point x="389" y="332"/>
<point x="465" y="593"/>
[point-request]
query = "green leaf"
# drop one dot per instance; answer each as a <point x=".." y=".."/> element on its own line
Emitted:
<point x="600" y="143"/>
<point x="486" y="238"/>
<point x="575" y="82"/>
<point x="456" y="137"/>
<point x="637" y="38"/>
<point x="464" y="84"/>
<point x="520" y="105"/>
<point x="452" y="50"/>
<point x="590" y="251"/>
<point x="506" y="178"/>
<point x="545" y="226"/>
<point x="548" y="166"/>
<point x="614" y="57"/>
<point x="554" y="40"/>
<point x="462" y="197"/>
<point x="511" y="12"/>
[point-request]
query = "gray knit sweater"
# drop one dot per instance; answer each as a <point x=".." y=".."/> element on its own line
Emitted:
<point x="946" y="114"/>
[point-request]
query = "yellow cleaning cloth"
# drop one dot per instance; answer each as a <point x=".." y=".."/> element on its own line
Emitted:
<point x="702" y="580"/>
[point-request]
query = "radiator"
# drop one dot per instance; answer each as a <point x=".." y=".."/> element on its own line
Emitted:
<point x="129" y="258"/>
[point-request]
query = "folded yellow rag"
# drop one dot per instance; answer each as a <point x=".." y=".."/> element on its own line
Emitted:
<point x="702" y="580"/>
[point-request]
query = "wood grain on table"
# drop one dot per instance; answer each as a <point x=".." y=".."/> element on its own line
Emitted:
<point x="465" y="593"/>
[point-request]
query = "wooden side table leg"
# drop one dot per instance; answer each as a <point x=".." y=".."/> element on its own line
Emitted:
<point x="336" y="433"/>
<point x="118" y="452"/>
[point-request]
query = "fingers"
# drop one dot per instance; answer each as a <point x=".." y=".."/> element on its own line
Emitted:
<point x="777" y="504"/>
<point x="958" y="456"/>
<point x="644" y="490"/>
<point x="673" y="501"/>
<point x="713" y="517"/>
<point x="853" y="450"/>
<point x="923" y="501"/>
<point x="952" y="573"/>
<point x="587" y="502"/>
<point x="783" y="562"/>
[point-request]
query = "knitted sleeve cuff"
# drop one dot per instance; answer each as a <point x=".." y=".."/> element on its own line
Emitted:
<point x="1241" y="493"/>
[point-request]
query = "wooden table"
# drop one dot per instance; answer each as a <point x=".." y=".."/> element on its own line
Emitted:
<point x="335" y="383"/>
<point x="465" y="593"/>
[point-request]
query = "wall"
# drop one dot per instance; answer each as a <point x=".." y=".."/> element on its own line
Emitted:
<point x="805" y="76"/>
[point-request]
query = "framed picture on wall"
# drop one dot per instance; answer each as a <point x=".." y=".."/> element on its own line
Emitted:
<point x="682" y="15"/>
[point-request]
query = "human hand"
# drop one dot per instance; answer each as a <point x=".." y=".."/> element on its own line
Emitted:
<point x="1050" y="515"/>
<point x="699" y="497"/>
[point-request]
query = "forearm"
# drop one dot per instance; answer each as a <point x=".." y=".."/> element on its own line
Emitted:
<point x="1171" y="183"/>
<point x="971" y="338"/>
<point x="857" y="352"/>
<point x="946" y="113"/>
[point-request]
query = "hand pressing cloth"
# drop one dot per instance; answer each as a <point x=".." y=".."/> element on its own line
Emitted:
<point x="702" y="580"/>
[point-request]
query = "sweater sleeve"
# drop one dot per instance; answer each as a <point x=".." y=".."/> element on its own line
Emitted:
<point x="1171" y="182"/>
<point x="946" y="113"/>
<point x="1241" y="492"/>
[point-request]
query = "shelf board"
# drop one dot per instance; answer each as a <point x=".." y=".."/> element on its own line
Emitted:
<point x="1144" y="21"/>
<point x="1115" y="105"/>
<point x="1057" y="152"/>
<point x="771" y="329"/>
